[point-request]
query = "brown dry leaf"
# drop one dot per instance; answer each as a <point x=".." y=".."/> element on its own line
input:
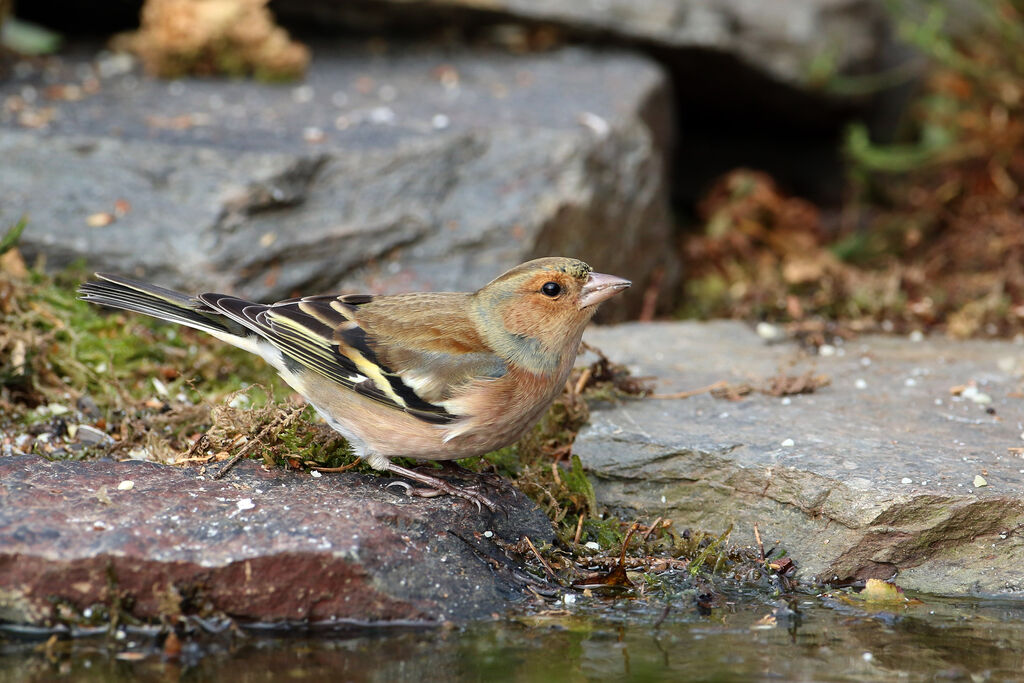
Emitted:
<point x="879" y="592"/>
<point x="12" y="263"/>
<point x="803" y="269"/>
<point x="732" y="392"/>
<point x="788" y="385"/>
<point x="179" y="37"/>
<point x="766" y="622"/>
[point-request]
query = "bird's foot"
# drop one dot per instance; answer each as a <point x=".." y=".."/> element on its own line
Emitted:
<point x="433" y="487"/>
<point x="486" y="478"/>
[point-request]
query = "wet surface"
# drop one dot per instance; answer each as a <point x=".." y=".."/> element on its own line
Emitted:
<point x="745" y="637"/>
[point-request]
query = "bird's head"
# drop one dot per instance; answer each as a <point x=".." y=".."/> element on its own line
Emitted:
<point x="540" y="307"/>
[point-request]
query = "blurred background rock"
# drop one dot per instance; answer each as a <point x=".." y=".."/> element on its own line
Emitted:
<point x="752" y="160"/>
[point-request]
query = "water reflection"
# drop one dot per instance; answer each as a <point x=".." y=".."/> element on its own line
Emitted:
<point x="743" y="639"/>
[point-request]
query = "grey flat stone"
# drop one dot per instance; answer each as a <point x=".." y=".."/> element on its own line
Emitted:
<point x="419" y="170"/>
<point x="871" y="476"/>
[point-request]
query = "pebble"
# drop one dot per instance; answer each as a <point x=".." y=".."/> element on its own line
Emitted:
<point x="769" y="332"/>
<point x="788" y="442"/>
<point x="971" y="393"/>
<point x="88" y="434"/>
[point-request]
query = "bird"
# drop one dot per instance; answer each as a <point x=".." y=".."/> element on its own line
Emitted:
<point x="423" y="375"/>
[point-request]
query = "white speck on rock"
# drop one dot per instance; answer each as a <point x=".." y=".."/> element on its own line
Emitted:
<point x="916" y="336"/>
<point x="769" y="332"/>
<point x="315" y="474"/>
<point x="860" y="383"/>
<point x="906" y="480"/>
<point x="245" y="504"/>
<point x="971" y="393"/>
<point x="787" y="443"/>
<point x="592" y="545"/>
<point x="126" y="485"/>
<point x="595" y="123"/>
<point x="382" y="115"/>
<point x="303" y="94"/>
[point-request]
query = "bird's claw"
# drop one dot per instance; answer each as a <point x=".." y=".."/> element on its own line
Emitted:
<point x="415" y="492"/>
<point x="442" y="489"/>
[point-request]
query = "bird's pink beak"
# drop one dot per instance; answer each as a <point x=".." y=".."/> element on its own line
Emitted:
<point x="601" y="287"/>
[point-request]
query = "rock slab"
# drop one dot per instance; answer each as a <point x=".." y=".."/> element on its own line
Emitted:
<point x="419" y="169"/>
<point x="785" y="39"/>
<point x="883" y="472"/>
<point x="260" y="545"/>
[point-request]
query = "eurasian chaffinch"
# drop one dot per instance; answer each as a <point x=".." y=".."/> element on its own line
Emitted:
<point x="431" y="376"/>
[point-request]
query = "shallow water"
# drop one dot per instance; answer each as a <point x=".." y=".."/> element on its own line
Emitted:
<point x="606" y="639"/>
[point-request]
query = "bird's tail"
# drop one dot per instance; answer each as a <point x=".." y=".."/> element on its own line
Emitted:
<point x="166" y="304"/>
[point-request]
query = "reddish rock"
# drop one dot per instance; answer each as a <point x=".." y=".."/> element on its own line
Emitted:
<point x="259" y="545"/>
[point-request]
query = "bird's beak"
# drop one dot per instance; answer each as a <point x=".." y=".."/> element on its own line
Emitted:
<point x="601" y="287"/>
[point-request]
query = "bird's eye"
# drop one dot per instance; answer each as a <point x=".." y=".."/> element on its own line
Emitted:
<point x="551" y="289"/>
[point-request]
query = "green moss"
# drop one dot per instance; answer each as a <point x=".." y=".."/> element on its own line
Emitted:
<point x="306" y="442"/>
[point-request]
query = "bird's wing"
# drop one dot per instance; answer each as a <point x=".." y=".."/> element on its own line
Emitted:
<point x="408" y="352"/>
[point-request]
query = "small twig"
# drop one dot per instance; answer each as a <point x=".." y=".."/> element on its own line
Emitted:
<point x="340" y="468"/>
<point x="692" y="392"/>
<point x="650" y="299"/>
<point x="579" y="529"/>
<point x="277" y="424"/>
<point x="554" y="473"/>
<point x="558" y="454"/>
<point x="654" y="526"/>
<point x="581" y="383"/>
<point x="664" y="614"/>
<point x="547" y="567"/>
<point x="625" y="543"/>
<point x="201" y="443"/>
<point x="641" y="563"/>
<point x="760" y="545"/>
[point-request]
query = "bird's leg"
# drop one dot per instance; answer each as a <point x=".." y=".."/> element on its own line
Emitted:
<point x="437" y="487"/>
